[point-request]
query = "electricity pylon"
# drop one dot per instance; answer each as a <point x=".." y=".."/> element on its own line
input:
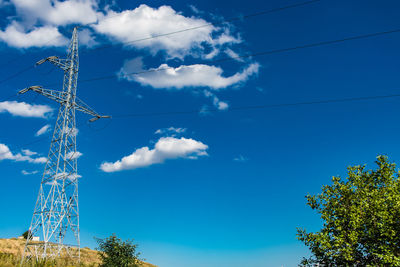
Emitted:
<point x="55" y="220"/>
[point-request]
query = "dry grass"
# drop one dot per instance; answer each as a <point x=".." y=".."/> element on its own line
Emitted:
<point x="11" y="251"/>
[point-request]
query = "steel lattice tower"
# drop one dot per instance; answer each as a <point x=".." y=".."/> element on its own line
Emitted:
<point x="55" y="218"/>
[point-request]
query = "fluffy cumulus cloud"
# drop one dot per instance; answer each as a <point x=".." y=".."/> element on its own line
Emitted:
<point x="23" y="32"/>
<point x="165" y="148"/>
<point x="16" y="35"/>
<point x="24" y="109"/>
<point x="57" y="12"/>
<point x="144" y="22"/>
<point x="26" y="155"/>
<point x="198" y="75"/>
<point x="126" y="26"/>
<point x="43" y="130"/>
<point x="158" y="30"/>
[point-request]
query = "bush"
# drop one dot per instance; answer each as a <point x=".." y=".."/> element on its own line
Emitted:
<point x="26" y="234"/>
<point x="117" y="253"/>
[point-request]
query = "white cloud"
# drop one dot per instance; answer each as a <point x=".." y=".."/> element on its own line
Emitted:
<point x="43" y="130"/>
<point x="131" y="66"/>
<point x="233" y="55"/>
<point x="165" y="148"/>
<point x="57" y="12"/>
<point x="195" y="9"/>
<point x="226" y="38"/>
<point x="65" y="175"/>
<point x="5" y="153"/>
<point x="86" y="38"/>
<point x="74" y="155"/>
<point x="71" y="131"/>
<point x="72" y="11"/>
<point x="212" y="54"/>
<point x="38" y="160"/>
<point x="54" y="182"/>
<point x="240" y="158"/>
<point x="172" y="131"/>
<point x="145" y="21"/>
<point x="205" y="110"/>
<point x="24" y="109"/>
<point x="197" y="75"/>
<point x="74" y="176"/>
<point x="122" y="26"/>
<point x="220" y="105"/>
<point x="23" y="31"/>
<point x="28" y="172"/>
<point x="15" y="35"/>
<point x="28" y="152"/>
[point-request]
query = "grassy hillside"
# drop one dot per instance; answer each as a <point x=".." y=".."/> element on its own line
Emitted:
<point x="11" y="250"/>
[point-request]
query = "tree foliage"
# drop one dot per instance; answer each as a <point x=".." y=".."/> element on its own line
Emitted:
<point x="26" y="234"/>
<point x="361" y="219"/>
<point x="117" y="253"/>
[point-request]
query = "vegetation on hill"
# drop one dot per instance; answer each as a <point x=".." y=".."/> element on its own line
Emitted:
<point x="11" y="251"/>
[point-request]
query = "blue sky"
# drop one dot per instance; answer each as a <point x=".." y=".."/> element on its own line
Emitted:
<point x="219" y="189"/>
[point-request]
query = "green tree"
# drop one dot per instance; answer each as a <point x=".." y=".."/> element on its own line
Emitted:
<point x="26" y="234"/>
<point x="361" y="218"/>
<point x="117" y="253"/>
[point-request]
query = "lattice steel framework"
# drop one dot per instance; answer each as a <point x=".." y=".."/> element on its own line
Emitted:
<point x="55" y="219"/>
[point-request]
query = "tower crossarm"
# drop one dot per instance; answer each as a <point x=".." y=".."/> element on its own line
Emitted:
<point x="61" y="97"/>
<point x="83" y="107"/>
<point x="63" y="64"/>
<point x="58" y="96"/>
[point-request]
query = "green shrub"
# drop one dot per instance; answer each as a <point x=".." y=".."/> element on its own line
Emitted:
<point x="117" y="253"/>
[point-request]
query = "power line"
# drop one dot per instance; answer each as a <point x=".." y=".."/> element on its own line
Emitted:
<point x="239" y="108"/>
<point x="206" y="24"/>
<point x="254" y="107"/>
<point x="160" y="35"/>
<point x="263" y="53"/>
<point x="364" y="36"/>
<point x="275" y="51"/>
<point x="24" y="69"/>
<point x="48" y="138"/>
<point x="20" y="56"/>
<point x="17" y="74"/>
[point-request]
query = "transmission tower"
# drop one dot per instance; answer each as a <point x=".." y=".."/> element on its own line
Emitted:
<point x="55" y="220"/>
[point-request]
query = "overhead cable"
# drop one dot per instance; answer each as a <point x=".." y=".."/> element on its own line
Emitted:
<point x="238" y="108"/>
<point x="161" y="35"/>
<point x="262" y="53"/>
